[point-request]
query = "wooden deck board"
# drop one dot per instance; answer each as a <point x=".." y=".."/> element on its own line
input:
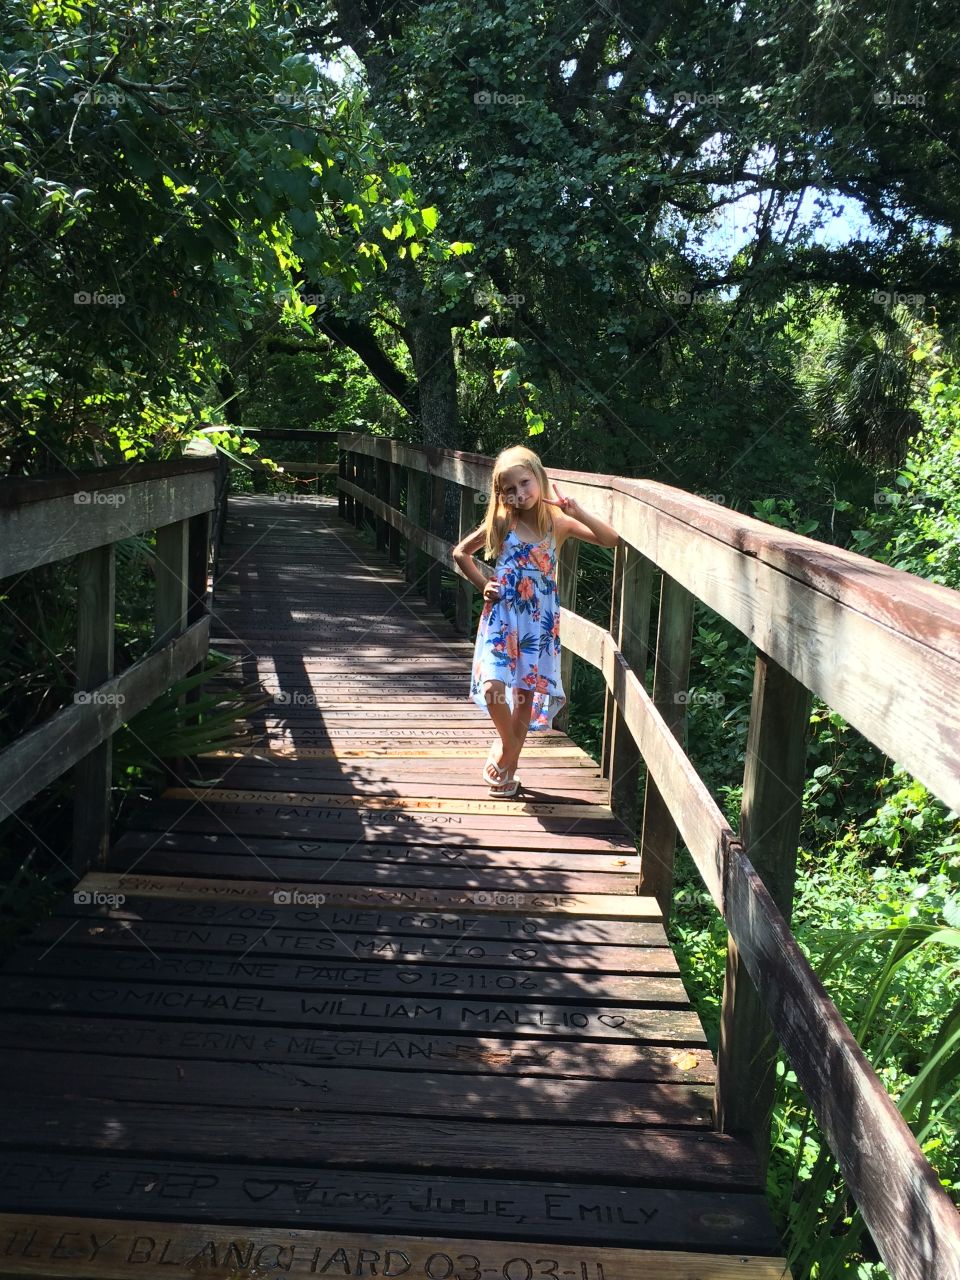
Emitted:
<point x="337" y="1007"/>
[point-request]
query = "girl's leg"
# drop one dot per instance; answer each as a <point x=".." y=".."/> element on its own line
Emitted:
<point x="520" y="723"/>
<point x="495" y="697"/>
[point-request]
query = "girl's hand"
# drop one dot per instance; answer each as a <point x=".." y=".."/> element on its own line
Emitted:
<point x="491" y="590"/>
<point x="569" y="506"/>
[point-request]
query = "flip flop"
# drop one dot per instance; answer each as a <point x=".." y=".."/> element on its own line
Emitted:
<point x="492" y="764"/>
<point x="506" y="790"/>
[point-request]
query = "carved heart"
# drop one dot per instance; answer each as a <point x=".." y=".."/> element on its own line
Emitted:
<point x="611" y="1020"/>
<point x="521" y="953"/>
<point x="409" y="975"/>
<point x="257" y="1189"/>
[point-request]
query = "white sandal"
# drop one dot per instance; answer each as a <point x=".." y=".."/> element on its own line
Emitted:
<point x="506" y="790"/>
<point x="492" y="764"/>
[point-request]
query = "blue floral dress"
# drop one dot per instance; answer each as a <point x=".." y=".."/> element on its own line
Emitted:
<point x="518" y="637"/>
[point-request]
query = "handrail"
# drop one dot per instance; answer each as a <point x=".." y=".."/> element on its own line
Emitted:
<point x="879" y="645"/>
<point x="84" y="514"/>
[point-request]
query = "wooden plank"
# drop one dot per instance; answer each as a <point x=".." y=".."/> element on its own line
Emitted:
<point x="427" y="875"/>
<point x="671" y="674"/>
<point x="770" y="815"/>
<point x="324" y="1090"/>
<point x="498" y="856"/>
<point x="564" y="1148"/>
<point x="413" y="921"/>
<point x="41" y="755"/>
<point x="630" y="600"/>
<point x="234" y="795"/>
<point x="74" y="960"/>
<point x="98" y="1185"/>
<point x="413" y="1011"/>
<point x="45" y="519"/>
<point x="179" y="823"/>
<point x="266" y="892"/>
<point x="399" y="1050"/>
<point x="277" y="941"/>
<point x="92" y="776"/>
<point x="119" y="1249"/>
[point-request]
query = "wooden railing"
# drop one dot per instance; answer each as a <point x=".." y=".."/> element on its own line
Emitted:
<point x="84" y="515"/>
<point x="880" y="646"/>
<point x="318" y="440"/>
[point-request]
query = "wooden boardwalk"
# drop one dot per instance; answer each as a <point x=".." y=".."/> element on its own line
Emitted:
<point x="340" y="1013"/>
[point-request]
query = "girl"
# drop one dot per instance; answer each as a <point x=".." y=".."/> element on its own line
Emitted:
<point x="516" y="661"/>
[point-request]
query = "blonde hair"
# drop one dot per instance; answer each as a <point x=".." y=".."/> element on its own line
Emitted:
<point x="498" y="518"/>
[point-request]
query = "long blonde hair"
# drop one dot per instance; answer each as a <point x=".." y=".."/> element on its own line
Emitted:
<point x="498" y="517"/>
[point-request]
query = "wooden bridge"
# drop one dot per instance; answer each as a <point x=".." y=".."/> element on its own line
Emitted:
<point x="333" y="1011"/>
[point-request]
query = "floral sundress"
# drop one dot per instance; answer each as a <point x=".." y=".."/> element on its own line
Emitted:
<point x="518" y="636"/>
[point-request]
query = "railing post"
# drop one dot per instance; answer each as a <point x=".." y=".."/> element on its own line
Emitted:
<point x="770" y="816"/>
<point x="435" y="525"/>
<point x="96" y="620"/>
<point x="342" y="472"/>
<point x="393" y="538"/>
<point x="415" y="488"/>
<point x="567" y="591"/>
<point x="356" y="478"/>
<point x="465" y="590"/>
<point x="382" y="472"/>
<point x="171" y="600"/>
<point x="671" y="673"/>
<point x="630" y="595"/>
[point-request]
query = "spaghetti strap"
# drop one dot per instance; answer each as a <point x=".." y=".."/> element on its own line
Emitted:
<point x="518" y="637"/>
